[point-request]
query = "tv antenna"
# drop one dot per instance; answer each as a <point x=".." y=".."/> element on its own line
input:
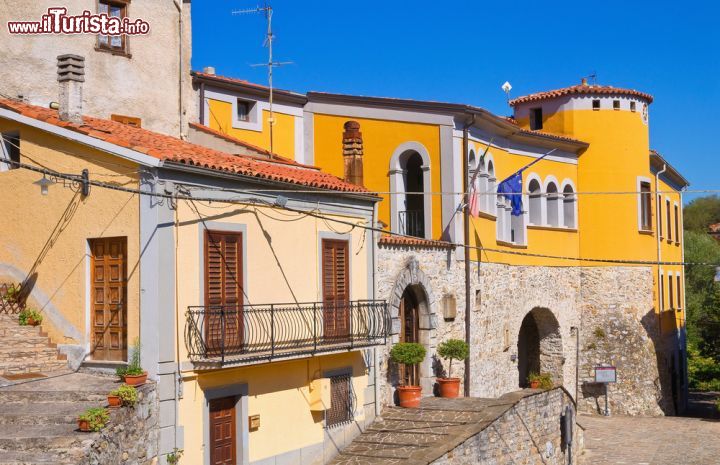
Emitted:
<point x="267" y="11"/>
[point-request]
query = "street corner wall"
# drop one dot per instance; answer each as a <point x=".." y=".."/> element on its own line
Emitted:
<point x="527" y="433"/>
<point x="620" y="328"/>
<point x="507" y="295"/>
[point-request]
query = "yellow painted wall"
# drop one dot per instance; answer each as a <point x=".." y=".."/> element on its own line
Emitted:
<point x="282" y="264"/>
<point x="221" y="118"/>
<point x="540" y="240"/>
<point x="29" y="219"/>
<point x="279" y="393"/>
<point x="380" y="139"/>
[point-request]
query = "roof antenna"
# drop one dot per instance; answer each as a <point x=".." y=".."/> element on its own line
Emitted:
<point x="507" y="88"/>
<point x="267" y="10"/>
<point x="592" y="77"/>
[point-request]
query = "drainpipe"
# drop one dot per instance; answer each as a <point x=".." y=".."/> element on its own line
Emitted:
<point x="179" y="7"/>
<point x="658" y="220"/>
<point x="466" y="221"/>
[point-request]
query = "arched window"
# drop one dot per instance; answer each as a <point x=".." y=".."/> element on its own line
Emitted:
<point x="535" y="202"/>
<point x="553" y="204"/>
<point x="410" y="207"/>
<point x="412" y="221"/>
<point x="569" y="199"/>
<point x="491" y="187"/>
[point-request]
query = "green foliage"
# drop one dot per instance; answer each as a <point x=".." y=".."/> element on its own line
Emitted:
<point x="599" y="333"/>
<point x="545" y="380"/>
<point x="134" y="367"/>
<point x="453" y="349"/>
<point x="120" y="371"/>
<point x="97" y="418"/>
<point x="27" y="314"/>
<point x="701" y="213"/>
<point x="717" y="404"/>
<point x="702" y="294"/>
<point x="11" y="294"/>
<point x="174" y="456"/>
<point x="703" y="371"/>
<point x="408" y="353"/>
<point x="127" y="394"/>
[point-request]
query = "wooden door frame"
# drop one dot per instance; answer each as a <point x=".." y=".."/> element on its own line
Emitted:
<point x="402" y="369"/>
<point x="242" y="430"/>
<point x="89" y="301"/>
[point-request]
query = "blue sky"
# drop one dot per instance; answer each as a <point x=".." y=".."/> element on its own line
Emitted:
<point x="463" y="51"/>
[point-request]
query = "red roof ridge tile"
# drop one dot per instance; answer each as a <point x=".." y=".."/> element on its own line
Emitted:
<point x="580" y="89"/>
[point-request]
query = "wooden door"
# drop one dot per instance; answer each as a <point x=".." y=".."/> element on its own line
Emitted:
<point x="223" y="292"/>
<point x="109" y="297"/>
<point x="223" y="431"/>
<point x="409" y="332"/>
<point x="336" y="293"/>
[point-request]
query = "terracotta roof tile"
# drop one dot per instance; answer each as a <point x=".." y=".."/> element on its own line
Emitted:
<point x="512" y="120"/>
<point x="172" y="149"/>
<point x="582" y="89"/>
<point x="389" y="240"/>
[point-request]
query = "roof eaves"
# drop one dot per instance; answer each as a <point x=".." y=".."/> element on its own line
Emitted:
<point x="249" y="88"/>
<point x="671" y="172"/>
<point x="90" y="141"/>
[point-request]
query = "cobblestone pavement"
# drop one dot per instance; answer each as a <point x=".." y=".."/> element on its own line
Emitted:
<point x="650" y="441"/>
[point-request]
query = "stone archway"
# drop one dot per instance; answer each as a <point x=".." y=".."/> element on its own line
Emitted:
<point x="540" y="346"/>
<point x="411" y="284"/>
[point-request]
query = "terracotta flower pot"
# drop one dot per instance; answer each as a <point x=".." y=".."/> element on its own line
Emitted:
<point x="409" y="396"/>
<point x="31" y="321"/>
<point x="114" y="401"/>
<point x="449" y="387"/>
<point x="136" y="380"/>
<point x="83" y="425"/>
<point x="535" y="384"/>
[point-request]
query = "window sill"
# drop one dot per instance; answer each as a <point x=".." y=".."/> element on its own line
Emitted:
<point x="647" y="232"/>
<point x="487" y="216"/>
<point x="512" y="245"/>
<point x="551" y="228"/>
<point x="121" y="53"/>
<point x="670" y="241"/>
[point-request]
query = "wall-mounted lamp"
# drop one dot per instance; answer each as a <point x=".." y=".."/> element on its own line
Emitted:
<point x="44" y="184"/>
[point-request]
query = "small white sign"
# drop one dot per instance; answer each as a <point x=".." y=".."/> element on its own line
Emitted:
<point x="605" y="375"/>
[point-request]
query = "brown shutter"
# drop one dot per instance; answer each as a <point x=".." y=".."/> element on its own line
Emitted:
<point x="336" y="294"/>
<point x="223" y="291"/>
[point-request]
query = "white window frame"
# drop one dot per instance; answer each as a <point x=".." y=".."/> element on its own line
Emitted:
<point x="640" y="180"/>
<point x="557" y="202"/>
<point x="568" y="182"/>
<point x="539" y="202"/>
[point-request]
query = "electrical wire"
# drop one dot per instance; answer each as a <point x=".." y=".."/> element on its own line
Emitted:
<point x="256" y="202"/>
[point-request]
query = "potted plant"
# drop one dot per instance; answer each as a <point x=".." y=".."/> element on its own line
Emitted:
<point x="174" y="457"/>
<point x="11" y="294"/>
<point x="134" y="375"/>
<point x="409" y="354"/>
<point x="540" y="380"/>
<point x="452" y="349"/>
<point x="30" y="317"/>
<point x="93" y="419"/>
<point x="124" y="395"/>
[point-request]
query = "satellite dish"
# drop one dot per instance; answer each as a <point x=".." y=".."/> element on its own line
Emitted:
<point x="506" y="87"/>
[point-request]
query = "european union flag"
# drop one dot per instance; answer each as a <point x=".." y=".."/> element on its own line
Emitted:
<point x="511" y="189"/>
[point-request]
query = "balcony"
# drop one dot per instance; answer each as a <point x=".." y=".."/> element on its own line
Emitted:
<point x="217" y="336"/>
<point x="412" y="223"/>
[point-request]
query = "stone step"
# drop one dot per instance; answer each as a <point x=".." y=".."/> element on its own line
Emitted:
<point x="40" y="367"/>
<point x="40" y="438"/>
<point x="70" y="456"/>
<point x="44" y="413"/>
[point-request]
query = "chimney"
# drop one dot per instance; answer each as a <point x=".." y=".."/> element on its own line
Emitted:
<point x="71" y="75"/>
<point x="353" y="153"/>
<point x="209" y="70"/>
<point x="583" y="81"/>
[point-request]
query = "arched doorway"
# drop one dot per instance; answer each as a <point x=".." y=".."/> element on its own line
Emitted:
<point x="409" y="314"/>
<point x="539" y="346"/>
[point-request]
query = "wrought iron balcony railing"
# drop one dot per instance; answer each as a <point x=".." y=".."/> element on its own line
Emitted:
<point x="412" y="223"/>
<point x="230" y="335"/>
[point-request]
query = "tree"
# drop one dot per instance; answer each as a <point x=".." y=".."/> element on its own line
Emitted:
<point x="702" y="293"/>
<point x="701" y="213"/>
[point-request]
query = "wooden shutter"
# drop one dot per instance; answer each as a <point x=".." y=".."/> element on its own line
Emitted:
<point x="223" y="292"/>
<point x="336" y="293"/>
<point x="223" y="431"/>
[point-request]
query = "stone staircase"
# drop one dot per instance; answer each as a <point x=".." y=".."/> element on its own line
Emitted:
<point x="27" y="349"/>
<point x="38" y="418"/>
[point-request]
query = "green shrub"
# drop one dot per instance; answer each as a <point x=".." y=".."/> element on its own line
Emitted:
<point x="127" y="394"/>
<point x="97" y="418"/>
<point x="703" y="372"/>
<point x="120" y="371"/>
<point x="545" y="380"/>
<point x="134" y="367"/>
<point x="717" y="404"/>
<point x="453" y="349"/>
<point x="174" y="456"/>
<point x="28" y="313"/>
<point x="408" y="353"/>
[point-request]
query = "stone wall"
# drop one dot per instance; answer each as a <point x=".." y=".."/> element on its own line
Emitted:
<point x="131" y="438"/>
<point x="563" y="301"/>
<point x="527" y="433"/>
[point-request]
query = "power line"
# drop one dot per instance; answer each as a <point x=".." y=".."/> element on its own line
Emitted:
<point x="314" y="213"/>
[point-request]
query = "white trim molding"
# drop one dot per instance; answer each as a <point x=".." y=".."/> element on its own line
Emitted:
<point x="397" y="174"/>
<point x="535" y="201"/>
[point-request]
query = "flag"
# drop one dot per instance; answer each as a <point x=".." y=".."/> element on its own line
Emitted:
<point x="511" y="189"/>
<point x="474" y="203"/>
